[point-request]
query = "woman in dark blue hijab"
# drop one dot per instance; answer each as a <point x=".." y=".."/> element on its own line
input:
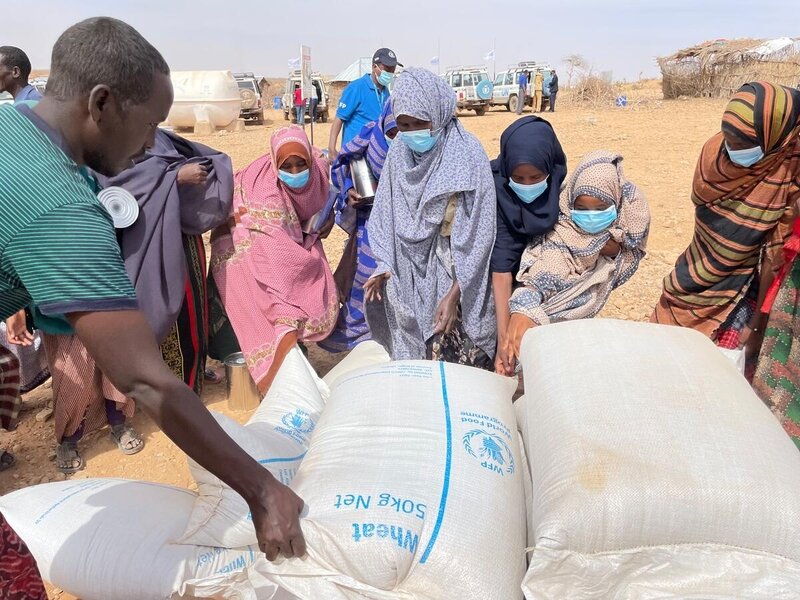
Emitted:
<point x="528" y="175"/>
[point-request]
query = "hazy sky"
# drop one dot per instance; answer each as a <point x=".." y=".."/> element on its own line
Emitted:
<point x="623" y="36"/>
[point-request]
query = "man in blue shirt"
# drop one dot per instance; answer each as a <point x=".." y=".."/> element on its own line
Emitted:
<point x="362" y="101"/>
<point x="15" y="68"/>
<point x="523" y="91"/>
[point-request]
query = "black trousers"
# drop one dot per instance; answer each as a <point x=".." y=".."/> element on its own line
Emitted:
<point x="553" y="101"/>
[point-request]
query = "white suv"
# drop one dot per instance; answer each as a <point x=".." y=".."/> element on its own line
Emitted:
<point x="473" y="88"/>
<point x="506" y="85"/>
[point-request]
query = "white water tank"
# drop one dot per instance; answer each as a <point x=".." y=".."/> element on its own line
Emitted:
<point x="204" y="97"/>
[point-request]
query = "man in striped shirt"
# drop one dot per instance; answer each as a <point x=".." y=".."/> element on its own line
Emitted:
<point x="108" y="90"/>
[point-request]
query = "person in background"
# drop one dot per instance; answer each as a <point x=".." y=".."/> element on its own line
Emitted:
<point x="363" y="99"/>
<point x="553" y="90"/>
<point x="15" y="68"/>
<point x="299" y="107"/>
<point x="528" y="174"/>
<point x="745" y="189"/>
<point x="60" y="251"/>
<point x="352" y="214"/>
<point x="15" y="334"/>
<point x="538" y="91"/>
<point x="595" y="247"/>
<point x="269" y="265"/>
<point x="315" y="100"/>
<point x="523" y="91"/>
<point x="777" y="375"/>
<point x="431" y="231"/>
<point x="183" y="189"/>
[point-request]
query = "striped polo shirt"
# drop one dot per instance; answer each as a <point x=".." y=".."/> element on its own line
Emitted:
<point x="58" y="246"/>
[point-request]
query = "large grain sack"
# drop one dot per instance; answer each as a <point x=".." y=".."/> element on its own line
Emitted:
<point x="414" y="489"/>
<point x="365" y="354"/>
<point x="656" y="471"/>
<point x="111" y="539"/>
<point x="277" y="436"/>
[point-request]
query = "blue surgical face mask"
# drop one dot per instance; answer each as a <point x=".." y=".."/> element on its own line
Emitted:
<point x="747" y="157"/>
<point x="385" y="78"/>
<point x="293" y="180"/>
<point x="420" y="141"/>
<point x="528" y="193"/>
<point x="594" y="221"/>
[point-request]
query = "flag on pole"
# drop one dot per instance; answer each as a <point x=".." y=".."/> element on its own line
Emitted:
<point x="435" y="61"/>
<point x="294" y="63"/>
<point x="489" y="55"/>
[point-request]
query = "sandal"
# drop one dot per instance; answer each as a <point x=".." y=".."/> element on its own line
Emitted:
<point x="127" y="439"/>
<point x="7" y="460"/>
<point x="68" y="460"/>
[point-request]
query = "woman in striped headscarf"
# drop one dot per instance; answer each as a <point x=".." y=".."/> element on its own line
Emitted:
<point x="352" y="215"/>
<point x="745" y="185"/>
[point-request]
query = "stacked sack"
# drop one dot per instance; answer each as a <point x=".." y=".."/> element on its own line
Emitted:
<point x="111" y="539"/>
<point x="656" y="472"/>
<point x="413" y="483"/>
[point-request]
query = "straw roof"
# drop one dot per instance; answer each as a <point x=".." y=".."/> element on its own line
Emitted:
<point x="718" y="68"/>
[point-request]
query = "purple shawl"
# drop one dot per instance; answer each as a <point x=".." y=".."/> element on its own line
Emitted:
<point x="152" y="247"/>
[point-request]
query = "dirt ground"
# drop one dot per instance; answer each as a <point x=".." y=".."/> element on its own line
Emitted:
<point x="660" y="141"/>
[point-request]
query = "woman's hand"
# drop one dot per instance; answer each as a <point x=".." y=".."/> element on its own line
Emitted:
<point x="447" y="312"/>
<point x="193" y="174"/>
<point x="327" y="226"/>
<point x="354" y="200"/>
<point x="611" y="248"/>
<point x="517" y="328"/>
<point x="504" y="361"/>
<point x="372" y="289"/>
<point x="17" y="330"/>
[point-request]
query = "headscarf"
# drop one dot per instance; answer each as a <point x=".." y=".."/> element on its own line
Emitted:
<point x="404" y="228"/>
<point x="153" y="246"/>
<point x="739" y="211"/>
<point x="370" y="143"/>
<point x="272" y="277"/>
<point x="565" y="277"/>
<point x="529" y="141"/>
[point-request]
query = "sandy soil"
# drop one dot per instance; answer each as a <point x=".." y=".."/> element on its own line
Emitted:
<point x="660" y="141"/>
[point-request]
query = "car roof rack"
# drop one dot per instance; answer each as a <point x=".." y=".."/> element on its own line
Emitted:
<point x="243" y="75"/>
<point x="532" y="64"/>
<point x="466" y="68"/>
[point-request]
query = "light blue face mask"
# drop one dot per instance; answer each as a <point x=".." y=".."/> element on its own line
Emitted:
<point x="530" y="192"/>
<point x="594" y="221"/>
<point x="293" y="180"/>
<point x="747" y="157"/>
<point x="420" y="141"/>
<point x="385" y="78"/>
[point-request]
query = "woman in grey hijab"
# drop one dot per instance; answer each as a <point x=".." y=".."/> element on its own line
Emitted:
<point x="432" y="231"/>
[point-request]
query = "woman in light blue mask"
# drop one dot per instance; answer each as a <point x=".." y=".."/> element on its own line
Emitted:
<point x="594" y="248"/>
<point x="528" y="175"/>
<point x="432" y="229"/>
<point x="269" y="265"/>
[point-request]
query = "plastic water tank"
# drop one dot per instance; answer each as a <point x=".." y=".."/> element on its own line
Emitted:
<point x="204" y="97"/>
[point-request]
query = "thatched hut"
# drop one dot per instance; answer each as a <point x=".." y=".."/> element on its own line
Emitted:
<point x="719" y="67"/>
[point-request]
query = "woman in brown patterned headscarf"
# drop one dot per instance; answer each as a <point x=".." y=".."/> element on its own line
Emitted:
<point x="745" y="185"/>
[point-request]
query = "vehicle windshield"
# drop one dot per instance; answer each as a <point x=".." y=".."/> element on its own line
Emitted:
<point x="246" y="84"/>
<point x="499" y="79"/>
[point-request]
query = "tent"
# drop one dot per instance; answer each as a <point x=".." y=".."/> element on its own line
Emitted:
<point x="359" y="67"/>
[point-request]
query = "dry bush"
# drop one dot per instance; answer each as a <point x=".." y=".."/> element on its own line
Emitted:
<point x="592" y="90"/>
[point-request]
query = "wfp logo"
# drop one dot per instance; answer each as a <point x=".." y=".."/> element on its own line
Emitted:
<point x="491" y="450"/>
<point x="298" y="421"/>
